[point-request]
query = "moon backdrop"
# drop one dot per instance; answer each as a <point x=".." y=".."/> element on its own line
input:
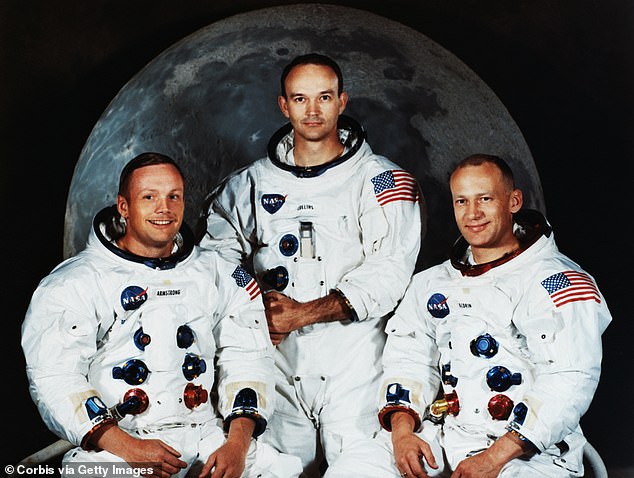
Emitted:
<point x="210" y="102"/>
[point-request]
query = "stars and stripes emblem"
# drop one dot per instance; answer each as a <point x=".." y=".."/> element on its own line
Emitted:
<point x="244" y="280"/>
<point x="571" y="286"/>
<point x="395" y="185"/>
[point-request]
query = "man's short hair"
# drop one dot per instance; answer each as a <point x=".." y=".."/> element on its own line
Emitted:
<point x="480" y="158"/>
<point x="312" y="59"/>
<point x="140" y="161"/>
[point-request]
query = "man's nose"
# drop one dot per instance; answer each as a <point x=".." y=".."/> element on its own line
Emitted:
<point x="312" y="107"/>
<point x="474" y="210"/>
<point x="162" y="204"/>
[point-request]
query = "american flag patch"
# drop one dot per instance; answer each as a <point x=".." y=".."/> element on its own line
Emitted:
<point x="244" y="280"/>
<point x="395" y="185"/>
<point x="570" y="286"/>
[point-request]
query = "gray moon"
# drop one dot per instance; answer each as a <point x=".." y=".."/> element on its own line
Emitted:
<point x="210" y="102"/>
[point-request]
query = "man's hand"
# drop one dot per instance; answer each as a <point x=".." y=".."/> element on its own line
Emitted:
<point x="409" y="450"/>
<point x="229" y="460"/>
<point x="282" y="315"/>
<point x="489" y="463"/>
<point x="285" y="315"/>
<point x="155" y="454"/>
<point x="480" y="465"/>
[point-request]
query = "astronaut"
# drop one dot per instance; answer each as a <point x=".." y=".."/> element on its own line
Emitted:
<point x="125" y="342"/>
<point x="510" y="328"/>
<point x="332" y="232"/>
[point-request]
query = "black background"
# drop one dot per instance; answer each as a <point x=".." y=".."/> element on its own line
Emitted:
<point x="563" y="69"/>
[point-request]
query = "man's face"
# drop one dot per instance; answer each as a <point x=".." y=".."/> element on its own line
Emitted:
<point x="153" y="210"/>
<point x="312" y="103"/>
<point x="484" y="205"/>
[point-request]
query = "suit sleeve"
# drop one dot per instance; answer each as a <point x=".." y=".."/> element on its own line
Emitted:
<point x="59" y="339"/>
<point x="391" y="236"/>
<point x="563" y="331"/>
<point x="410" y="360"/>
<point x="230" y="232"/>
<point x="244" y="351"/>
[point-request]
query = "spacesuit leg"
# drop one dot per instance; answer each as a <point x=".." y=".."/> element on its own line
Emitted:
<point x="211" y="438"/>
<point x="262" y="460"/>
<point x="295" y="436"/>
<point x="536" y="467"/>
<point x="338" y="435"/>
<point x="559" y="461"/>
<point x="367" y="457"/>
<point x="79" y="462"/>
<point x="374" y="458"/>
<point x="266" y="462"/>
<point x="549" y="464"/>
<point x="294" y="426"/>
<point x="87" y="463"/>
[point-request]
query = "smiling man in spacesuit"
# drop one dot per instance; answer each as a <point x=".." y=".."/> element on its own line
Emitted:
<point x="332" y="231"/>
<point x="120" y="343"/>
<point x="510" y="328"/>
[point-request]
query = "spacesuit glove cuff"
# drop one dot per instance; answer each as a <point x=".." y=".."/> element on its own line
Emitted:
<point x="86" y="441"/>
<point x="385" y="415"/>
<point x="346" y="302"/>
<point x="260" y="421"/>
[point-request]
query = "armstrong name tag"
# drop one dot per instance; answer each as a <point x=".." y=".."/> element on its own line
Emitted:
<point x="169" y="292"/>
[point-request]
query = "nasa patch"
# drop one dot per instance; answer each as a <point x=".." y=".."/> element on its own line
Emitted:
<point x="437" y="306"/>
<point x="272" y="202"/>
<point x="133" y="297"/>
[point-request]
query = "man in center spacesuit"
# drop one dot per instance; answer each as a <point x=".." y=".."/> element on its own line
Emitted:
<point x="125" y="341"/>
<point x="510" y="328"/>
<point x="332" y="232"/>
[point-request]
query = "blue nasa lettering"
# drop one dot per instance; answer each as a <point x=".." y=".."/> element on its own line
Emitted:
<point x="133" y="297"/>
<point x="272" y="202"/>
<point x="437" y="306"/>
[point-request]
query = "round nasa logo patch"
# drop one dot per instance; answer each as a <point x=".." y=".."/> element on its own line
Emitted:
<point x="133" y="297"/>
<point x="272" y="202"/>
<point x="437" y="306"/>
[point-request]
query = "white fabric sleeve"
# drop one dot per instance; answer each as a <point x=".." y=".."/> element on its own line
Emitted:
<point x="565" y="345"/>
<point x="59" y="336"/>
<point x="410" y="358"/>
<point x="243" y="348"/>
<point x="391" y="242"/>
<point x="228" y="228"/>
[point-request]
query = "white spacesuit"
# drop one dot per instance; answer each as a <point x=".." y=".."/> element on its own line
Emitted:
<point x="107" y="326"/>
<point x="516" y="345"/>
<point x="352" y="226"/>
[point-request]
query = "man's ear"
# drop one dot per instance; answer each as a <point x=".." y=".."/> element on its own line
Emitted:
<point x="122" y="206"/>
<point x="516" y="200"/>
<point x="283" y="104"/>
<point x="343" y="98"/>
